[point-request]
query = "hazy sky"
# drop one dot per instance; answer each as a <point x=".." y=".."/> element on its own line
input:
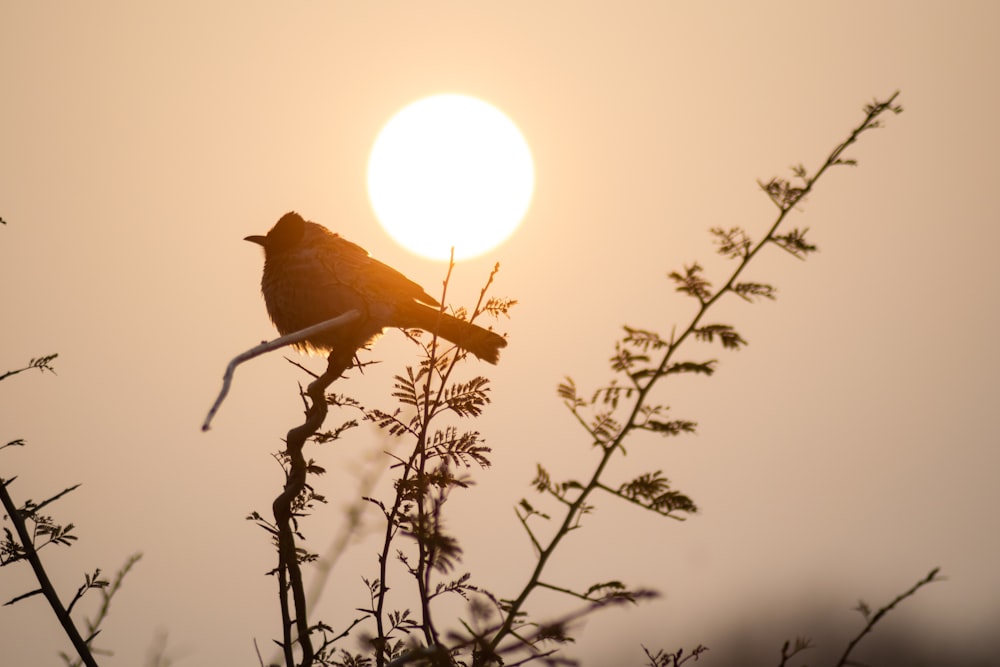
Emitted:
<point x="846" y="452"/>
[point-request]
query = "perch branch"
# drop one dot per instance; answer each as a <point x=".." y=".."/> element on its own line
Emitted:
<point x="289" y="573"/>
<point x="264" y="348"/>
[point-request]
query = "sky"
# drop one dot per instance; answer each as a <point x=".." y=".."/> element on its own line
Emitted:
<point x="842" y="455"/>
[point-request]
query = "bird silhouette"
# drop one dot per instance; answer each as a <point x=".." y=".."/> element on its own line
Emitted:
<point x="312" y="275"/>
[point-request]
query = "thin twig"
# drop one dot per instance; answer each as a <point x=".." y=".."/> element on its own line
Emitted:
<point x="263" y="348"/>
<point x="932" y="576"/>
<point x="107" y="593"/>
<point x="54" y="498"/>
<point x="41" y="363"/>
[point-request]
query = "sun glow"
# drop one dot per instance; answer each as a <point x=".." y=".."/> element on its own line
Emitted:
<point x="450" y="171"/>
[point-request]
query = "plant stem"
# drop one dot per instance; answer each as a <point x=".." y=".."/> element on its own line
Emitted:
<point x="82" y="649"/>
<point x="609" y="448"/>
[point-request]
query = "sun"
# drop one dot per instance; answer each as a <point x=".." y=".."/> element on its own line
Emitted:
<point x="450" y="171"/>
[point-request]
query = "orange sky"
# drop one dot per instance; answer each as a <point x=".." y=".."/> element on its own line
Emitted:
<point x="847" y="451"/>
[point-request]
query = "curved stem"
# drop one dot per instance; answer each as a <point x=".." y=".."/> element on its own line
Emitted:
<point x="289" y="572"/>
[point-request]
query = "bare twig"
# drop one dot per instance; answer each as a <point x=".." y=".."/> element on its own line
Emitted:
<point x="789" y="651"/>
<point x="108" y="592"/>
<point x="931" y="576"/>
<point x="264" y="348"/>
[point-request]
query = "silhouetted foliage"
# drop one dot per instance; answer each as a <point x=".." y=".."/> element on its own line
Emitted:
<point x="501" y="630"/>
<point x="34" y="531"/>
<point x="420" y="563"/>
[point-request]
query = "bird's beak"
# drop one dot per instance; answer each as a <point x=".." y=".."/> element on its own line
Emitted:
<point x="259" y="240"/>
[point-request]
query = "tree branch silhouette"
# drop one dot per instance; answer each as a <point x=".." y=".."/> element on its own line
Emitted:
<point x="877" y="616"/>
<point x="289" y="571"/>
<point x="633" y="356"/>
<point x="27" y="549"/>
<point x="264" y="348"/>
<point x="503" y="633"/>
<point x="46" y="587"/>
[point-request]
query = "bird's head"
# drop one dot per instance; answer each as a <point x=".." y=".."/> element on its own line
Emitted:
<point x="285" y="234"/>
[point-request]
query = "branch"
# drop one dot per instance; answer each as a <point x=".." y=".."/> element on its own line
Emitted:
<point x="931" y="576"/>
<point x="41" y="363"/>
<point x="108" y="592"/>
<point x="289" y="573"/>
<point x="264" y="348"/>
<point x="43" y="579"/>
<point x="652" y="504"/>
<point x="693" y="284"/>
<point x="54" y="498"/>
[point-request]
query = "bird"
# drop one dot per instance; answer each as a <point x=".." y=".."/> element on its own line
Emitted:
<point x="312" y="274"/>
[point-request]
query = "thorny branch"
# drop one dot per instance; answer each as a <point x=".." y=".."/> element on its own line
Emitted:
<point x="289" y="572"/>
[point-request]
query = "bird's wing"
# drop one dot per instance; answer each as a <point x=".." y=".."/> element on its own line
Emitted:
<point x="350" y="264"/>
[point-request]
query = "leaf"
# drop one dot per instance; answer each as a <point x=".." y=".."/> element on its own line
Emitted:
<point x="705" y="368"/>
<point x="733" y="242"/>
<point x="673" y="427"/>
<point x="342" y="400"/>
<point x="531" y="511"/>
<point x="612" y="585"/>
<point x="443" y="551"/>
<point x="692" y="283"/>
<point x="460" y="449"/>
<point x="467" y="399"/>
<point x="553" y="632"/>
<point x="726" y="334"/>
<point x="460" y="586"/>
<point x="604" y="428"/>
<point x="405" y="389"/>
<point x="750" y="291"/>
<point x="624" y="360"/>
<point x="324" y="437"/>
<point x="496" y="306"/>
<point x="42" y="363"/>
<point x="384" y="420"/>
<point x="652" y="491"/>
<point x="644" y="340"/>
<point x="782" y="192"/>
<point x="567" y="391"/>
<point x="794" y="242"/>
<point x="612" y="394"/>
<point x="542" y="481"/>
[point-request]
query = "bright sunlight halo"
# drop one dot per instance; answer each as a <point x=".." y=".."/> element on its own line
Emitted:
<point x="450" y="171"/>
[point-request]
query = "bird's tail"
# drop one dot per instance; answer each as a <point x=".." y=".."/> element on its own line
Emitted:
<point x="481" y="342"/>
